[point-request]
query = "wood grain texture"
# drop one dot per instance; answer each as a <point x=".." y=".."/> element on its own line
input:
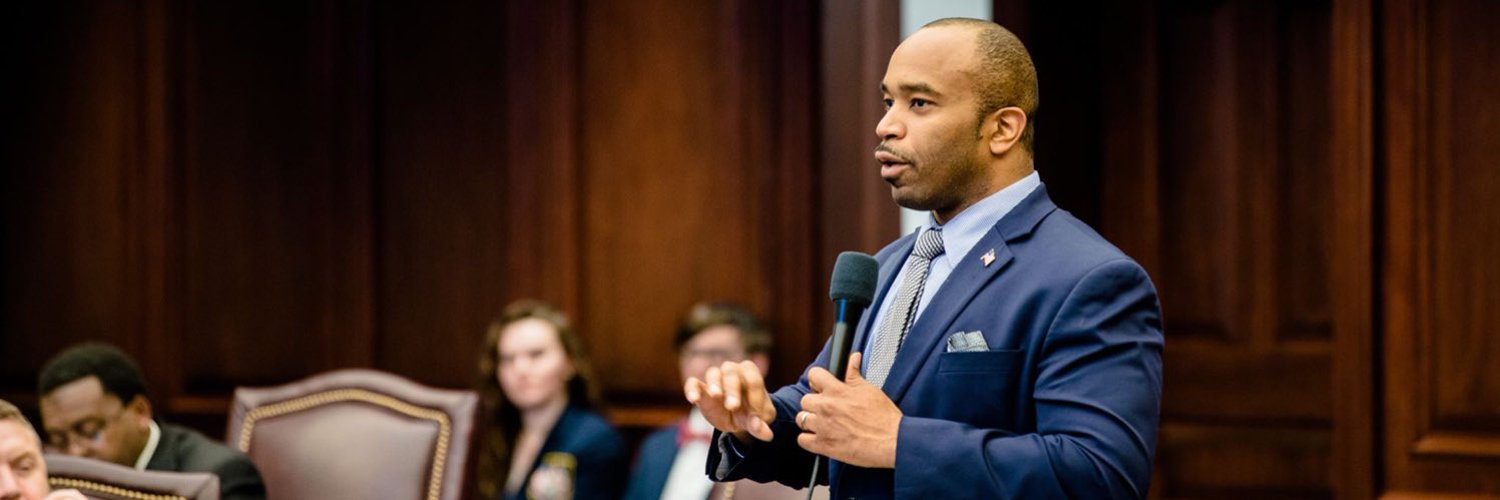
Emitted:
<point x="1353" y="270"/>
<point x="1440" y="280"/>
<point x="1218" y="177"/>
<point x="667" y="192"/>
<point x="272" y="199"/>
<point x="74" y="173"/>
<point x="443" y="231"/>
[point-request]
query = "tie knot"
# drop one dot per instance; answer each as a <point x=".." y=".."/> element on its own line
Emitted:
<point x="929" y="244"/>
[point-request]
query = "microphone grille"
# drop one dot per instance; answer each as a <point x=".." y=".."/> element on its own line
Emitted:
<point x="854" y="276"/>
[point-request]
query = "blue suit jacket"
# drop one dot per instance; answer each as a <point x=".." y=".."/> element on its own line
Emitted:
<point x="1064" y="404"/>
<point x="653" y="464"/>
<point x="598" y="451"/>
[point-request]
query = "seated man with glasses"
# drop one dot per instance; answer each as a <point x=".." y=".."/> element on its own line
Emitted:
<point x="94" y="405"/>
<point x="670" y="461"/>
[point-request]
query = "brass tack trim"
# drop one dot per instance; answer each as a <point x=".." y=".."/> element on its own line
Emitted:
<point x="109" y="489"/>
<point x="445" y="432"/>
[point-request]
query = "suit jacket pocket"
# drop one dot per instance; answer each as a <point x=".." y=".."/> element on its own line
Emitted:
<point x="987" y="362"/>
<point x="980" y="388"/>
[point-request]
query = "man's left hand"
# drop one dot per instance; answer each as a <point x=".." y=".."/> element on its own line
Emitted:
<point x="851" y="421"/>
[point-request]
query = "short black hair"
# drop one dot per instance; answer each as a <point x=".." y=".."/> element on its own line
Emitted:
<point x="116" y="371"/>
<point x="1005" y="75"/>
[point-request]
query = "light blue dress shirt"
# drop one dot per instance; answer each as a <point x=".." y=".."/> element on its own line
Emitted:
<point x="959" y="237"/>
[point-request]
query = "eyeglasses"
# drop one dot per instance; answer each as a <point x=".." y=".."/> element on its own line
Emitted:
<point x="714" y="356"/>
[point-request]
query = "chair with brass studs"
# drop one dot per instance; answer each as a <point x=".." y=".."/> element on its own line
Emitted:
<point x="356" y="433"/>
<point x="102" y="480"/>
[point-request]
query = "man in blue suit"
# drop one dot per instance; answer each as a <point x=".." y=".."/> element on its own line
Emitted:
<point x="1011" y="351"/>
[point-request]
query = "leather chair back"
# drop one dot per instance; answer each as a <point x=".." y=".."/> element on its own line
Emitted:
<point x="102" y="480"/>
<point x="356" y="434"/>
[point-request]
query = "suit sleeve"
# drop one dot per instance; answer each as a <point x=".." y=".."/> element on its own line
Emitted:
<point x="1097" y="393"/>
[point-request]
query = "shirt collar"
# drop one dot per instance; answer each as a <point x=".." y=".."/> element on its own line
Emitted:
<point x="964" y="231"/>
<point x="697" y="422"/>
<point x="150" y="450"/>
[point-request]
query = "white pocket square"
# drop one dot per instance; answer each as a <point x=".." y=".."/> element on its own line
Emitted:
<point x="967" y="342"/>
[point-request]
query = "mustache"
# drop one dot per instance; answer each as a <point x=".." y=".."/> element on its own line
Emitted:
<point x="903" y="155"/>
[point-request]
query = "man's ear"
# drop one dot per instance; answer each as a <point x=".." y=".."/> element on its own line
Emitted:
<point x="1004" y="128"/>
<point x="141" y="407"/>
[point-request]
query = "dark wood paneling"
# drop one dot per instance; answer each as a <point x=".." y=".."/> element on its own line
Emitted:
<point x="1198" y="170"/>
<point x="1301" y="134"/>
<point x="1465" y="274"/>
<point x="1217" y="167"/>
<point x="672" y="191"/>
<point x="73" y="176"/>
<point x="856" y="210"/>
<point x="542" y="123"/>
<point x="1440" y="278"/>
<point x="1130" y="164"/>
<point x="1242" y="461"/>
<point x="269" y="191"/>
<point x="1352" y="269"/>
<point x="1069" y="58"/>
<point x="272" y="200"/>
<point x="795" y="263"/>
<point x="443" y="194"/>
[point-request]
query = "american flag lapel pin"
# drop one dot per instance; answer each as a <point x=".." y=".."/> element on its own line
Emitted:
<point x="988" y="258"/>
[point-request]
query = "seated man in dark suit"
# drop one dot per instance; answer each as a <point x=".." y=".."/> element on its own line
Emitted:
<point x="23" y="472"/>
<point x="94" y="405"/>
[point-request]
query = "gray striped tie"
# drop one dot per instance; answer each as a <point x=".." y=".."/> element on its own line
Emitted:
<point x="898" y="321"/>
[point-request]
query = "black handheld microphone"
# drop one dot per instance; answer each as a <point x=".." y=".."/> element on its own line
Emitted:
<point x="852" y="288"/>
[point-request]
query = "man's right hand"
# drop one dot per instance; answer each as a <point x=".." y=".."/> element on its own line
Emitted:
<point x="734" y="400"/>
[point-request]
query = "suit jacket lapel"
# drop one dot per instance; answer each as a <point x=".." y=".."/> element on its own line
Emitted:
<point x="968" y="277"/>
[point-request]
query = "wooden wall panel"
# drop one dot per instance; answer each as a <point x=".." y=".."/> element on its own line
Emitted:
<point x="1440" y="278"/>
<point x="1353" y="267"/>
<point x="1300" y="143"/>
<point x="263" y="192"/>
<point x="857" y="211"/>
<point x="443" y="196"/>
<point x="1216" y="168"/>
<point x="1130" y="161"/>
<point x="600" y="187"/>
<point x="1198" y="171"/>
<point x="541" y="142"/>
<point x="1069" y="55"/>
<point x="795" y="260"/>
<point x="1464" y="247"/>
<point x="672" y="190"/>
<point x="272" y="282"/>
<point x="73" y="155"/>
